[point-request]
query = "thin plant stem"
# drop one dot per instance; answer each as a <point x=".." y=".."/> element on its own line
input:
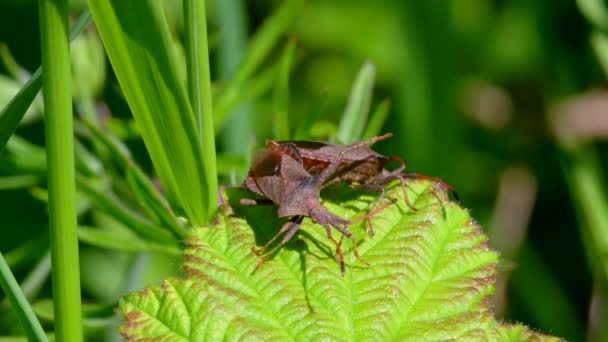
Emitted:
<point x="54" y="39"/>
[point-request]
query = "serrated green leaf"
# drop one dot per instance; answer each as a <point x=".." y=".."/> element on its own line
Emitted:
<point x="431" y="278"/>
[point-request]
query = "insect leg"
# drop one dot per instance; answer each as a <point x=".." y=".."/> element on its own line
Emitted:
<point x="339" y="254"/>
<point x="251" y="201"/>
<point x="433" y="179"/>
<point x="291" y="227"/>
<point x="287" y="227"/>
<point x="371" y="214"/>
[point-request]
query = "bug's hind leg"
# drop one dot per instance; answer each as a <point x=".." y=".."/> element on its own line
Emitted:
<point x="436" y="180"/>
<point x="289" y="228"/>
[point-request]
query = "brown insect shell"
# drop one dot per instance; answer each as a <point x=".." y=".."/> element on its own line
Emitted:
<point x="356" y="164"/>
<point x="265" y="164"/>
<point x="275" y="175"/>
<point x="303" y="198"/>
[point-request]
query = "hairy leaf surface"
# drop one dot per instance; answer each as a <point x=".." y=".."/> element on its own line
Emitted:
<point x="431" y="277"/>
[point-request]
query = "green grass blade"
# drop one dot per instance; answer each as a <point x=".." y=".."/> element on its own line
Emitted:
<point x="231" y="18"/>
<point x="22" y="308"/>
<point x="13" y="112"/>
<point x="140" y="50"/>
<point x="19" y="181"/>
<point x="114" y="207"/>
<point x="583" y="175"/>
<point x="303" y="130"/>
<point x="141" y="186"/>
<point x="109" y="240"/>
<point x="153" y="203"/>
<point x="281" y="95"/>
<point x="54" y="42"/>
<point x="199" y="89"/>
<point x="36" y="278"/>
<point x="536" y="285"/>
<point x="355" y="115"/>
<point x="27" y="252"/>
<point x="599" y="42"/>
<point x="595" y="11"/>
<point x="231" y="97"/>
<point x="24" y="157"/>
<point x="259" y="47"/>
<point x="377" y="120"/>
<point x="12" y="67"/>
<point x="227" y="163"/>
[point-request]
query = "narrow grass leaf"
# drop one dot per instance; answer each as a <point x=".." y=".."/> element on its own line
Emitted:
<point x="12" y="67"/>
<point x="303" y="130"/>
<point x="115" y="208"/>
<point x="355" y="114"/>
<point x="377" y="120"/>
<point x="431" y="277"/>
<point x="583" y="174"/>
<point x="595" y="11"/>
<point x="232" y="18"/>
<point x="95" y="316"/>
<point x="13" y="112"/>
<point x="19" y="303"/>
<point x="227" y="163"/>
<point x="148" y="196"/>
<point x="199" y="89"/>
<point x="599" y="42"/>
<point x="24" y="157"/>
<point x="231" y="97"/>
<point x="109" y="240"/>
<point x="27" y="252"/>
<point x="19" y="181"/>
<point x="151" y="200"/>
<point x="36" y="278"/>
<point x="140" y="50"/>
<point x="261" y="44"/>
<point x="281" y="94"/>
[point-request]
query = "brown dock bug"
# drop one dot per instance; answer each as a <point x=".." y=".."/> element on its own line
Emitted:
<point x="279" y="175"/>
<point x="356" y="164"/>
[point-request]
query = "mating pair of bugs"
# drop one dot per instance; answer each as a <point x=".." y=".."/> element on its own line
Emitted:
<point x="291" y="174"/>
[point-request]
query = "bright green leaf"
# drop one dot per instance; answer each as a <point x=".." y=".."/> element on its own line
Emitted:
<point x="431" y="278"/>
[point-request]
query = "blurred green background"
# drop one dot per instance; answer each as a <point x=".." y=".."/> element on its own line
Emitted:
<point x="502" y="99"/>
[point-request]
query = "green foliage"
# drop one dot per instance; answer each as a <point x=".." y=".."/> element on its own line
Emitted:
<point x="143" y="59"/>
<point x="456" y="78"/>
<point x="431" y="278"/>
<point x="356" y="111"/>
<point x="14" y="111"/>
